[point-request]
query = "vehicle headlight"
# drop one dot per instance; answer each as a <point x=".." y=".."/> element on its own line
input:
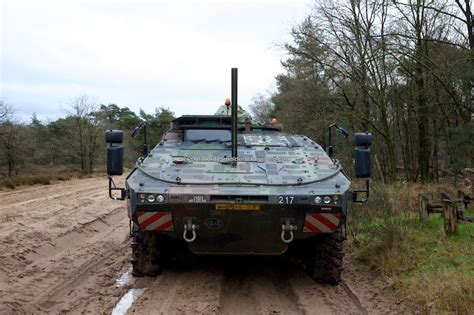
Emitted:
<point x="317" y="199"/>
<point x="160" y="198"/>
<point x="151" y="198"/>
<point x="327" y="199"/>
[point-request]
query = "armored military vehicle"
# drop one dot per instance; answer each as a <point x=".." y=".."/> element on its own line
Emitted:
<point x="220" y="185"/>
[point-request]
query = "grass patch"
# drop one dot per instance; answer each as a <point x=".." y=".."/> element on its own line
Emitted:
<point x="30" y="180"/>
<point x="431" y="270"/>
<point x="45" y="176"/>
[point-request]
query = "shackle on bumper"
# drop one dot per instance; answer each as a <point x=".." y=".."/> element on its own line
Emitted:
<point x="189" y="227"/>
<point x="287" y="227"/>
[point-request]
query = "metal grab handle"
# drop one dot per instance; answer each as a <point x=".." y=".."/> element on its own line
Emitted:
<point x="193" y="231"/>
<point x="290" y="230"/>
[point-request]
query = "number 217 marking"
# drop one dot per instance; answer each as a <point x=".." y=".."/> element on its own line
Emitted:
<point x="286" y="199"/>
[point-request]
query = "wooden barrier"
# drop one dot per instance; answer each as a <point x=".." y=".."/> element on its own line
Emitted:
<point x="452" y="210"/>
<point x="450" y="217"/>
<point x="423" y="206"/>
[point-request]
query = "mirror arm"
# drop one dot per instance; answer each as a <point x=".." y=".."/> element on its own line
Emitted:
<point x="145" y="142"/>
<point x="329" y="144"/>
<point x="136" y="132"/>
<point x="342" y="131"/>
<point x="365" y="190"/>
<point x="112" y="188"/>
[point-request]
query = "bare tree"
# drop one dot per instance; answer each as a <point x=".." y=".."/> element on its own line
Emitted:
<point x="261" y="108"/>
<point x="399" y="68"/>
<point x="13" y="140"/>
<point x="5" y="111"/>
<point x="352" y="38"/>
<point x="86" y="121"/>
<point x="422" y="34"/>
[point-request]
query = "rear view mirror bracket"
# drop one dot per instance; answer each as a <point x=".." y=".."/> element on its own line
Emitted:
<point x="356" y="193"/>
<point x="136" y="132"/>
<point x="113" y="188"/>
<point x="329" y="147"/>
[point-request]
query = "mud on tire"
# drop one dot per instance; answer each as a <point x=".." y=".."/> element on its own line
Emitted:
<point x="146" y="254"/>
<point x="324" y="259"/>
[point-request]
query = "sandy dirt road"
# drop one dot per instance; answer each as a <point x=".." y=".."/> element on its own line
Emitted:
<point x="63" y="247"/>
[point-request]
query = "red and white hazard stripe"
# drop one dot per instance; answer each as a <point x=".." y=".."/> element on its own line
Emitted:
<point x="321" y="222"/>
<point x="155" y="221"/>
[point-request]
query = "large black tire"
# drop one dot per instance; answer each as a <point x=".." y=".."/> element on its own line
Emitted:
<point x="146" y="254"/>
<point x="325" y="256"/>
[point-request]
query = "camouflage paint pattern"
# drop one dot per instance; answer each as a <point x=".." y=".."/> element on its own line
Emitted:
<point x="240" y="210"/>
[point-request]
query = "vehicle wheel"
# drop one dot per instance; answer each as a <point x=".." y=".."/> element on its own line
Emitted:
<point x="324" y="261"/>
<point x="146" y="254"/>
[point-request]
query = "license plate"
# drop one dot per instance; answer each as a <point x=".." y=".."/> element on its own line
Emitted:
<point x="236" y="206"/>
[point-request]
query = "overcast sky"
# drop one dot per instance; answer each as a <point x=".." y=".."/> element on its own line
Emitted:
<point x="140" y="54"/>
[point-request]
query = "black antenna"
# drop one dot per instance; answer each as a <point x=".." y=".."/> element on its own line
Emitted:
<point x="234" y="116"/>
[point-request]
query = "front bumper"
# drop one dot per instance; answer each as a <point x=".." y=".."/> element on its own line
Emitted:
<point x="250" y="229"/>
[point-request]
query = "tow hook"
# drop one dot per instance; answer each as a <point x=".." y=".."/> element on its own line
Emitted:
<point x="287" y="227"/>
<point x="190" y="227"/>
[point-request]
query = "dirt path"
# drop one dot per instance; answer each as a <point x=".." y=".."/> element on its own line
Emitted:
<point x="63" y="246"/>
<point x="259" y="286"/>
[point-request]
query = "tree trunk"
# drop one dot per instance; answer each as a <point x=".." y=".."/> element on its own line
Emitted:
<point x="11" y="168"/>
<point x="422" y="110"/>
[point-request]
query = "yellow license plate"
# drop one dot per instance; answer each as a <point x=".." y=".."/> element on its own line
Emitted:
<point x="236" y="206"/>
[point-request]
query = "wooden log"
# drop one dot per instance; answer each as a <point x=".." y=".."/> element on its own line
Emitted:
<point x="450" y="217"/>
<point x="435" y="209"/>
<point x="423" y="207"/>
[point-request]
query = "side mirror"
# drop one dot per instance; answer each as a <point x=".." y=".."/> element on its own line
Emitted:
<point x="114" y="160"/>
<point x="362" y="156"/>
<point x="362" y="163"/>
<point x="135" y="132"/>
<point x="363" y="139"/>
<point x="114" y="136"/>
<point x="114" y="139"/>
<point x="343" y="132"/>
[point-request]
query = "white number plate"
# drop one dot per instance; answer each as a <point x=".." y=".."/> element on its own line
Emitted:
<point x="286" y="200"/>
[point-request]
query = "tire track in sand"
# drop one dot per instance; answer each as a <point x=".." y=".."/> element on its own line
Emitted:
<point x="247" y="285"/>
<point x="258" y="286"/>
<point x="52" y="267"/>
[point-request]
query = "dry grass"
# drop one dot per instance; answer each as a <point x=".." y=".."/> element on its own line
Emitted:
<point x="435" y="272"/>
<point x="449" y="292"/>
<point x="41" y="176"/>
